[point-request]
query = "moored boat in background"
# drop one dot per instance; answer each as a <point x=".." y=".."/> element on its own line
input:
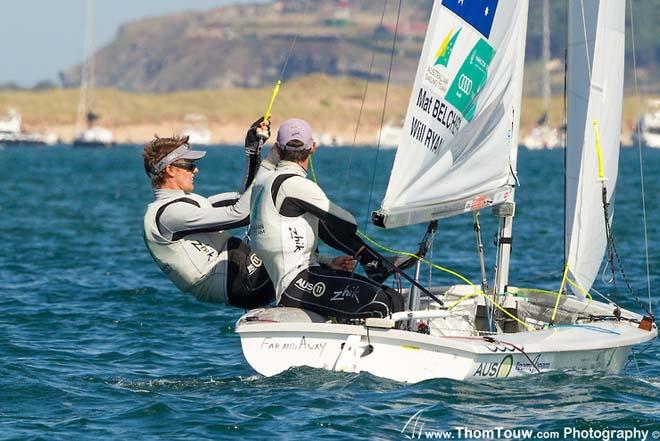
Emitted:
<point x="11" y="132"/>
<point x="647" y="131"/>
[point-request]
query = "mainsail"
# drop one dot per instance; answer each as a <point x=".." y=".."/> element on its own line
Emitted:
<point x="459" y="147"/>
<point x="596" y="37"/>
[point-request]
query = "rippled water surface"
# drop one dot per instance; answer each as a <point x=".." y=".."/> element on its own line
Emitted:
<point x="96" y="343"/>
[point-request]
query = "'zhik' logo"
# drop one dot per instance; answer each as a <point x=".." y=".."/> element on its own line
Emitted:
<point x="298" y="239"/>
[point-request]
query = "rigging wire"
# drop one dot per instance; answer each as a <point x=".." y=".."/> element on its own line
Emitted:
<point x="295" y="39"/>
<point x="364" y="97"/>
<point x="641" y="163"/>
<point x="278" y="83"/>
<point x="565" y="136"/>
<point x="382" y="116"/>
<point x="586" y="43"/>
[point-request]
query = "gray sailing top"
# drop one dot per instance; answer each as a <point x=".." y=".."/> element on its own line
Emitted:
<point x="187" y="236"/>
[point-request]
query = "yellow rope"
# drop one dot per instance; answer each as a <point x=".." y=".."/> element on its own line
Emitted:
<point x="599" y="153"/>
<point x="574" y="284"/>
<point x="276" y="90"/>
<point x="311" y="168"/>
<point x="561" y="290"/>
<point x="529" y="327"/>
<point x="454" y="273"/>
<point x="582" y="290"/>
<point x="403" y="253"/>
<point x="465" y="297"/>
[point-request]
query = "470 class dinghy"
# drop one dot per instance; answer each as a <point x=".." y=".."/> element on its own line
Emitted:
<point x="446" y="343"/>
<point x="458" y="154"/>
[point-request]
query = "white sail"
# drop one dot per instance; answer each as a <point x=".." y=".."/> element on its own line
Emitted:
<point x="459" y="144"/>
<point x="595" y="91"/>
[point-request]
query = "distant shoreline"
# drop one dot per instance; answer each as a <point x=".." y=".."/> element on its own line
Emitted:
<point x="332" y="107"/>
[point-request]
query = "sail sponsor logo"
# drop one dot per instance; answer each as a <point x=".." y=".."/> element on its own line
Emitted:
<point x="437" y="74"/>
<point x="464" y="84"/>
<point x="495" y="369"/>
<point x="470" y="79"/>
<point x="437" y="79"/>
<point x="302" y="345"/>
<point x="443" y="53"/>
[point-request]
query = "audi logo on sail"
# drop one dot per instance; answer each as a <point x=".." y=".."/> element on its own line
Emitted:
<point x="464" y="84"/>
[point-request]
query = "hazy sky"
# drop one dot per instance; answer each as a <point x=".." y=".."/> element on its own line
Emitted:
<point x="39" y="38"/>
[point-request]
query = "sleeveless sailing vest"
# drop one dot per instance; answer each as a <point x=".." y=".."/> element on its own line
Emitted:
<point x="185" y="257"/>
<point x="286" y="245"/>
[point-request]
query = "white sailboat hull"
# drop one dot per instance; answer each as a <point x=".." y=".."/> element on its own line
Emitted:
<point x="276" y="339"/>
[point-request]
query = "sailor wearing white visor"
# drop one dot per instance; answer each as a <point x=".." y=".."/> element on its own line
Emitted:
<point x="186" y="233"/>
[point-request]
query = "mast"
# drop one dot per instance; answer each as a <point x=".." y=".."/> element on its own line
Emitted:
<point x="87" y="70"/>
<point x="545" y="56"/>
<point x="504" y="241"/>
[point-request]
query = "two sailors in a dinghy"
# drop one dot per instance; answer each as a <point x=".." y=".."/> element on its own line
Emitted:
<point x="187" y="236"/>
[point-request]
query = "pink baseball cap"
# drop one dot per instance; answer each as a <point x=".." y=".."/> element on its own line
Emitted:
<point x="295" y="129"/>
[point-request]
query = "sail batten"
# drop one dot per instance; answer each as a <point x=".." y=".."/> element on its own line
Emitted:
<point x="595" y="93"/>
<point x="458" y="150"/>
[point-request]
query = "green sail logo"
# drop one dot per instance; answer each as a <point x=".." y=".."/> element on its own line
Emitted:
<point x="470" y="79"/>
<point x="444" y="51"/>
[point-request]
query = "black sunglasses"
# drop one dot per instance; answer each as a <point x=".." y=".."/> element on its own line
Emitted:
<point x="189" y="166"/>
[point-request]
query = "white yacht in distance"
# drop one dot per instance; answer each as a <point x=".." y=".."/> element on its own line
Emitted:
<point x="11" y="134"/>
<point x="11" y="123"/>
<point x="542" y="136"/>
<point x="196" y="129"/>
<point x="647" y="132"/>
<point x="93" y="135"/>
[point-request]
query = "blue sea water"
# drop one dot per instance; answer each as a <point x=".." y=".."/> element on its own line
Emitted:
<point x="95" y="343"/>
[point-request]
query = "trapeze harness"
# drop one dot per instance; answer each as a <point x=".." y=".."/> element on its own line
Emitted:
<point x="289" y="214"/>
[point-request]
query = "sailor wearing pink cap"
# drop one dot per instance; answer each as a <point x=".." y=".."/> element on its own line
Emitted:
<point x="289" y="214"/>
